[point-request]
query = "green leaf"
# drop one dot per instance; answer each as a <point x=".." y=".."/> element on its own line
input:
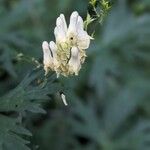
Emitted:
<point x="29" y="94"/>
<point x="10" y="132"/>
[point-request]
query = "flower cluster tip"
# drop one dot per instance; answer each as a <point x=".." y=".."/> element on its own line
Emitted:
<point x="66" y="55"/>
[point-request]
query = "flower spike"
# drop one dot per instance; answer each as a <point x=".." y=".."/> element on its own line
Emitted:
<point x="66" y="56"/>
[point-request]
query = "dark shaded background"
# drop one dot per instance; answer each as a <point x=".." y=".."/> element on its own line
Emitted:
<point x="109" y="102"/>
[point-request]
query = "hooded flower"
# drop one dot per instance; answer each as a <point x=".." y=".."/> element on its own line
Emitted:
<point x="66" y="56"/>
<point x="49" y="55"/>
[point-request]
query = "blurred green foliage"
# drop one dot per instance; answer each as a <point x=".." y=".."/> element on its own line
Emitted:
<point x="109" y="102"/>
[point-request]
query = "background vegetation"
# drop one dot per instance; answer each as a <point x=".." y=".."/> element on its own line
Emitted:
<point x="109" y="102"/>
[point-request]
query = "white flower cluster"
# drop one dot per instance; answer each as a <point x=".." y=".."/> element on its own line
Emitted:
<point x="68" y="53"/>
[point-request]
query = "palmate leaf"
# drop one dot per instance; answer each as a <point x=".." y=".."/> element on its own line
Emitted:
<point x="103" y="74"/>
<point x="89" y="125"/>
<point x="127" y="32"/>
<point x="88" y="117"/>
<point x="86" y="123"/>
<point x="54" y="133"/>
<point x="124" y="104"/>
<point x="124" y="42"/>
<point x="27" y="96"/>
<point x="15" y="35"/>
<point x="136" y="138"/>
<point x="9" y="134"/>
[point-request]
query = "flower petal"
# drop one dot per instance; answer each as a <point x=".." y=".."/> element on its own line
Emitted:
<point x="64" y="99"/>
<point x="80" y="26"/>
<point x="53" y="48"/>
<point x="61" y="26"/>
<point x="46" y="52"/>
<point x="47" y="58"/>
<point x="83" y="40"/>
<point x="73" y="22"/>
<point x="60" y="29"/>
<point x="74" y="62"/>
<point x="64" y="22"/>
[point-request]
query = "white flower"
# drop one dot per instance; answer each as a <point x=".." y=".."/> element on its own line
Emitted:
<point x="50" y="56"/>
<point x="66" y="56"/>
<point x="60" y="30"/>
<point x="53" y="48"/>
<point x="74" y="62"/>
<point x="48" y="60"/>
<point x="75" y="33"/>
